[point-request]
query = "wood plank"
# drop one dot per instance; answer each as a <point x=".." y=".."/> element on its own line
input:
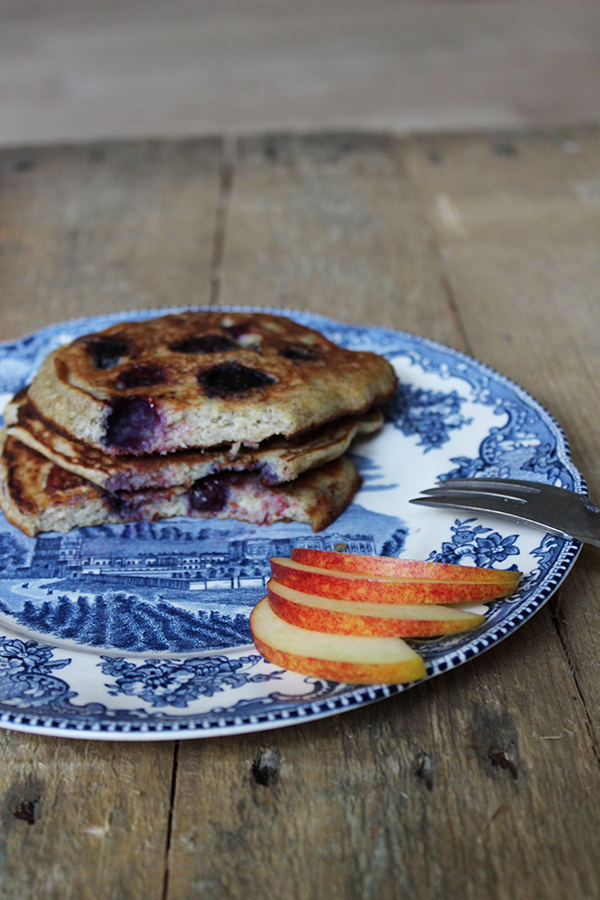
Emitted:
<point x="91" y="229"/>
<point x="518" y="221"/>
<point x="330" y="224"/>
<point x="77" y="71"/>
<point x="472" y="786"/>
<point x="88" y="230"/>
<point x="83" y="820"/>
<point x="479" y="784"/>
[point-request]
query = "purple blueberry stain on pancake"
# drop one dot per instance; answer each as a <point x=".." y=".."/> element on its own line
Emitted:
<point x="123" y="504"/>
<point x="106" y="353"/>
<point x="229" y="379"/>
<point x="210" y="494"/>
<point x="131" y="423"/>
<point x="140" y="376"/>
<point x="267" y="475"/>
<point x="204" y="343"/>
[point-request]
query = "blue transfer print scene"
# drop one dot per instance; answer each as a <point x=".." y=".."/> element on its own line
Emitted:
<point x="176" y="586"/>
<point x="182" y="586"/>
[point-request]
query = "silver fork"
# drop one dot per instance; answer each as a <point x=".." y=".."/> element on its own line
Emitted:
<point x="556" y="510"/>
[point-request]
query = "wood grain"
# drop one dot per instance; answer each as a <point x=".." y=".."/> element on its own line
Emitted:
<point x="480" y="784"/>
<point x="519" y="235"/>
<point x="474" y="785"/>
<point x="90" y="229"/>
<point x="83" y="820"/>
<point x="452" y="790"/>
<point x="85" y="230"/>
<point x="78" y="71"/>
<point x="331" y="224"/>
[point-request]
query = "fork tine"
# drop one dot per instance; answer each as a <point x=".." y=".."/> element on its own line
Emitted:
<point x="504" y="487"/>
<point x="505" y="507"/>
<point x="540" y="495"/>
<point x="475" y="502"/>
<point x="556" y="509"/>
<point x="485" y="495"/>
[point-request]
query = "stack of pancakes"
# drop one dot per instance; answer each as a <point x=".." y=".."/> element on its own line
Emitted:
<point x="203" y="414"/>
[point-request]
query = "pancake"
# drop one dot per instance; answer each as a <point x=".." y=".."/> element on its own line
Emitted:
<point x="201" y="379"/>
<point x="37" y="495"/>
<point x="275" y="460"/>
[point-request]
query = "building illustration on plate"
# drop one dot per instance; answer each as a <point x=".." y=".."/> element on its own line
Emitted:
<point x="158" y="587"/>
<point x="231" y="565"/>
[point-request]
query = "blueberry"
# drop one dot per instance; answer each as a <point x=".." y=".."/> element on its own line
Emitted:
<point x="132" y="422"/>
<point x="204" y="343"/>
<point x="231" y="378"/>
<point x="123" y="504"/>
<point x="106" y="352"/>
<point x="209" y="494"/>
<point x="267" y="475"/>
<point x="300" y="352"/>
<point x="140" y="376"/>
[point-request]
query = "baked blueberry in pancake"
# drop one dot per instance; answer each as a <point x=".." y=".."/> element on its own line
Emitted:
<point x="201" y="379"/>
<point x="37" y="495"/>
<point x="275" y="460"/>
<point x="202" y="414"/>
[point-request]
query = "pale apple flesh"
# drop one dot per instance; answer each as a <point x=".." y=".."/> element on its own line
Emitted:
<point x="376" y="619"/>
<point x="381" y="589"/>
<point x="409" y="569"/>
<point x="335" y="657"/>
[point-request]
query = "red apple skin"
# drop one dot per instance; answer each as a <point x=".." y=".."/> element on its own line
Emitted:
<point x="345" y="672"/>
<point x="399" y="568"/>
<point x="332" y="622"/>
<point x="346" y="586"/>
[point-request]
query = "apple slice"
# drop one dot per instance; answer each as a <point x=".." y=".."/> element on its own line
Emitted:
<point x="410" y="569"/>
<point x="380" y="589"/>
<point x="335" y="657"/>
<point x="374" y="619"/>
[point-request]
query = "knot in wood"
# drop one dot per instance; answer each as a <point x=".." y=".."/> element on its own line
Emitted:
<point x="25" y="810"/>
<point x="502" y="760"/>
<point x="265" y="768"/>
<point x="424" y="768"/>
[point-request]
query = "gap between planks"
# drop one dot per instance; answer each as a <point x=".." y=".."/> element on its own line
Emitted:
<point x="168" y="841"/>
<point x="588" y="718"/>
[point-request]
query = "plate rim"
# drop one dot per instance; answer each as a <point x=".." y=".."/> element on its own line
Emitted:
<point x="208" y="725"/>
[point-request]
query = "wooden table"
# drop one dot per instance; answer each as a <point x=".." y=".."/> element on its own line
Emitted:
<point x="483" y="783"/>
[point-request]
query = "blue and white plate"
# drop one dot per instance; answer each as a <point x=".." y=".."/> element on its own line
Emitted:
<point x="140" y="632"/>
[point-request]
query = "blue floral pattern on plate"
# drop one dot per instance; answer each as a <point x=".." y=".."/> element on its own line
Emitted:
<point x="430" y="414"/>
<point x="475" y="542"/>
<point x="178" y="682"/>
<point x="147" y="624"/>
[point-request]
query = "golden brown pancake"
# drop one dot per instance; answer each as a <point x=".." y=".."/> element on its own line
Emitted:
<point x="37" y="495"/>
<point x="275" y="460"/>
<point x="200" y="379"/>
